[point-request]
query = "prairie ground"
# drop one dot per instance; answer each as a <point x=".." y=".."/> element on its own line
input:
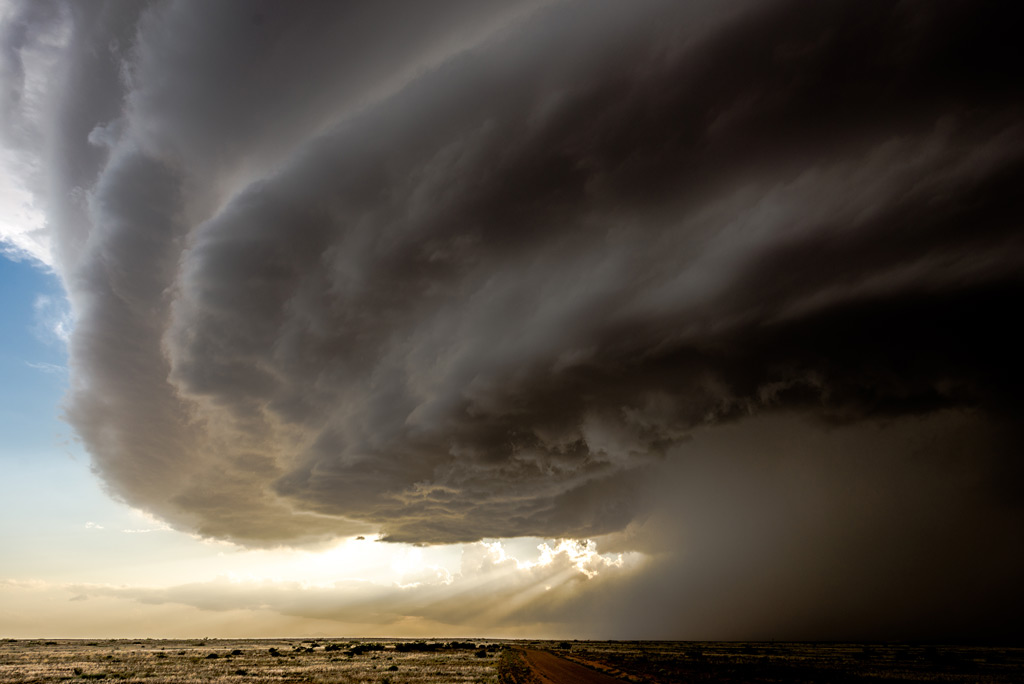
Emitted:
<point x="648" y="662"/>
<point x="250" y="661"/>
<point x="391" y="661"/>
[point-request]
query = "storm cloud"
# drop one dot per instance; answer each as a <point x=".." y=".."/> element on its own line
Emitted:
<point x="461" y="270"/>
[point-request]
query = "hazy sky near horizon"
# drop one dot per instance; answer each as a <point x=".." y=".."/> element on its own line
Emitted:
<point x="651" y="319"/>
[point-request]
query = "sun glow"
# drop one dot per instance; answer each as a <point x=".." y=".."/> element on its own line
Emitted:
<point x="367" y="559"/>
<point x="358" y="585"/>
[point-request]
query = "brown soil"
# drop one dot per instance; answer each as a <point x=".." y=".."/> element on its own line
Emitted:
<point x="552" y="669"/>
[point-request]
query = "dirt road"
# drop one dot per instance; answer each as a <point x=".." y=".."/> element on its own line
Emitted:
<point x="554" y="670"/>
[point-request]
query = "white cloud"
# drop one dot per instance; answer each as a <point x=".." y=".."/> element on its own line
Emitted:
<point x="34" y="36"/>
<point x="52" y="368"/>
<point x="53" y="319"/>
<point x="23" y="234"/>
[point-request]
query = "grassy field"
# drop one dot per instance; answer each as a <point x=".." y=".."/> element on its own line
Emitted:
<point x="731" y="662"/>
<point x="250" y="661"/>
<point x="482" y="661"/>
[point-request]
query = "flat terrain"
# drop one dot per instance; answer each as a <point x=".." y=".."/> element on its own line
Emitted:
<point x="245" y="660"/>
<point x="393" y="661"/>
<point x="647" y="662"/>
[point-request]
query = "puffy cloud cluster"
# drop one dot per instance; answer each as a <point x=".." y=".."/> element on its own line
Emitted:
<point x="476" y="269"/>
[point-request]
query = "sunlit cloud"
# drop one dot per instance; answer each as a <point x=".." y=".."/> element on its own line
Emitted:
<point x="583" y="555"/>
<point x="35" y="36"/>
<point x="23" y="233"/>
<point x="488" y="590"/>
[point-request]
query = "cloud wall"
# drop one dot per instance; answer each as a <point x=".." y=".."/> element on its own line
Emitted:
<point x="483" y="269"/>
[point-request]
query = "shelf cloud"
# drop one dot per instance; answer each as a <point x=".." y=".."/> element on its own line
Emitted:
<point x="468" y="270"/>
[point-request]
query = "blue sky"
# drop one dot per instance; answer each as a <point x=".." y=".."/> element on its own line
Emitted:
<point x="48" y="494"/>
<point x="33" y="358"/>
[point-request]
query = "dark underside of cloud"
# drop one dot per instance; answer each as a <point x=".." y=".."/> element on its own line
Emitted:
<point x="461" y="270"/>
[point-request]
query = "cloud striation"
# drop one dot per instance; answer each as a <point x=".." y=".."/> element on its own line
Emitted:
<point x="471" y="270"/>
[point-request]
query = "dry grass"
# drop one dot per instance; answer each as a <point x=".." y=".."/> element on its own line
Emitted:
<point x="333" y="661"/>
<point x="734" y="662"/>
<point x="224" y="660"/>
<point x="513" y="668"/>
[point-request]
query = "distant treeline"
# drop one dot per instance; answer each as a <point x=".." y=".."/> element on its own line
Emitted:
<point x="412" y="646"/>
<point x="409" y="646"/>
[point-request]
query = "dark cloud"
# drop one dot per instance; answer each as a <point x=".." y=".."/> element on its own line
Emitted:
<point x="483" y="270"/>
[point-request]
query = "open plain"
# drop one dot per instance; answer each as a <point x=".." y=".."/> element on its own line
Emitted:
<point x="243" y="660"/>
<point x="392" y="661"/>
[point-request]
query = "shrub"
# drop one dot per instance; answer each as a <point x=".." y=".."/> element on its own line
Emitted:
<point x="359" y="649"/>
<point x="513" y="669"/>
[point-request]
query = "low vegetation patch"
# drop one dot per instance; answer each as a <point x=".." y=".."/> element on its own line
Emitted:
<point x="396" y="661"/>
<point x="236" y="660"/>
<point x="513" y="668"/>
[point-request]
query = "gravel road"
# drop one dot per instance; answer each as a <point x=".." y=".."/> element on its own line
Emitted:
<point x="554" y="670"/>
